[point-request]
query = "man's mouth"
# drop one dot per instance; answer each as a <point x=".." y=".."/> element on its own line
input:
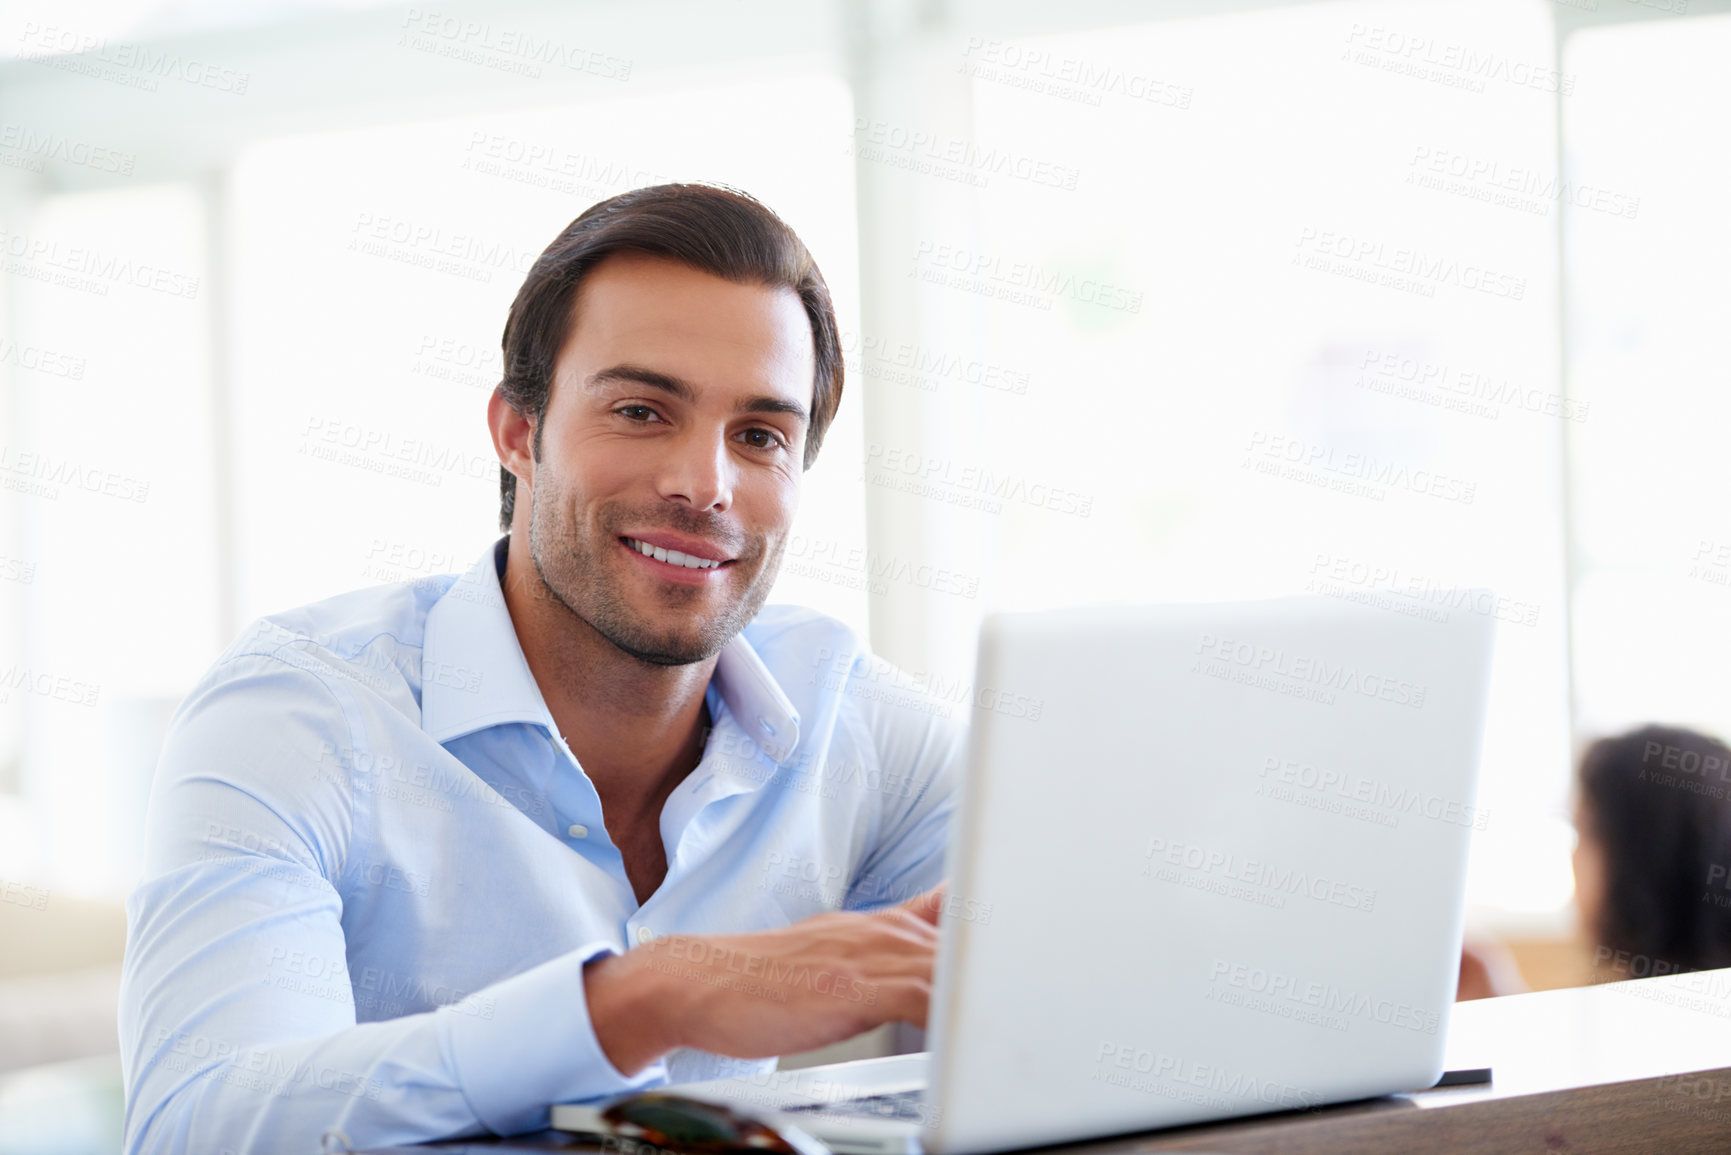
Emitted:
<point x="673" y="556"/>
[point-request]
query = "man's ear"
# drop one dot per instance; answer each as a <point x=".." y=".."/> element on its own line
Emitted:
<point x="513" y="438"/>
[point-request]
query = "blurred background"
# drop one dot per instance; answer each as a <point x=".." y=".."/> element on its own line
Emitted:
<point x="1158" y="300"/>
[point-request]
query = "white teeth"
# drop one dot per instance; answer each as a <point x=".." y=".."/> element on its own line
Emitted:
<point x="671" y="556"/>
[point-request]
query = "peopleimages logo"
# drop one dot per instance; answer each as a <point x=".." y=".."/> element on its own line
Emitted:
<point x="939" y="154"/>
<point x="263" y="1069"/>
<point x="58" y="687"/>
<point x="1414" y="595"/>
<point x="1460" y="388"/>
<point x="1399" y="266"/>
<point x="1066" y="77"/>
<point x="1356" y="796"/>
<point x="924" y="367"/>
<point x="1277" y="662"/>
<point x="133" y="65"/>
<point x="516" y="50"/>
<point x="1358" y="474"/>
<point x="39" y="146"/>
<point x="874" y="678"/>
<point x="967" y="483"/>
<point x="1114" y="1058"/>
<point x="21" y="894"/>
<point x="980" y="270"/>
<point x="42" y="474"/>
<point x="711" y="965"/>
<point x="1453" y="65"/>
<point x="1166" y="861"/>
<point x="1278" y="988"/>
<point x="1514" y="186"/>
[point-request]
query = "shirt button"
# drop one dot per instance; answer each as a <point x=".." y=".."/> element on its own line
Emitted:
<point x="645" y="935"/>
<point x="578" y="831"/>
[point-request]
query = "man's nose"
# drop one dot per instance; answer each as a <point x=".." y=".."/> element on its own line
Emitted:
<point x="700" y="471"/>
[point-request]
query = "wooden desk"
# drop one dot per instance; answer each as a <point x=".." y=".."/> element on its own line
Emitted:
<point x="1637" y="1066"/>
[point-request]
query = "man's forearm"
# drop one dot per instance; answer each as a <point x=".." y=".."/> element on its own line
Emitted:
<point x="765" y="993"/>
<point x="211" y="1056"/>
<point x="198" y="1091"/>
<point x="634" y="1010"/>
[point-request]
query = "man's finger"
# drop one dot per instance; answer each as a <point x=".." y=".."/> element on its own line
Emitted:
<point x="906" y="1000"/>
<point x="928" y="905"/>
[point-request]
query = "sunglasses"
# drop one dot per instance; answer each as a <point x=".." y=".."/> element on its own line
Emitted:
<point x="678" y="1124"/>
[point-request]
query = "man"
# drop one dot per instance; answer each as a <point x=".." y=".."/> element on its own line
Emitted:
<point x="425" y="858"/>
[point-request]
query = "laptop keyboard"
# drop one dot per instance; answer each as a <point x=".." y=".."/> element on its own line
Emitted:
<point x="907" y="1105"/>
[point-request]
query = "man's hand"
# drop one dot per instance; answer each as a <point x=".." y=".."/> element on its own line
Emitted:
<point x="774" y="992"/>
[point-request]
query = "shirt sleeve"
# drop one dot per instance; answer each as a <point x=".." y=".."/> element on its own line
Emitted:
<point x="237" y="1017"/>
<point x="919" y="750"/>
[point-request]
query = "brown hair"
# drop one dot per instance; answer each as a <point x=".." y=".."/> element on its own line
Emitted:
<point x="718" y="230"/>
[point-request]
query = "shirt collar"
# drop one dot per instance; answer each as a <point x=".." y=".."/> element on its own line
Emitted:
<point x="474" y="674"/>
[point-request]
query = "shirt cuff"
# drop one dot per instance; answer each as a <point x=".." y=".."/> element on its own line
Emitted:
<point x="525" y="1043"/>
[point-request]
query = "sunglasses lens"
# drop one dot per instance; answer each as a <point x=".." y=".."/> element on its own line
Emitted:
<point x="680" y="1121"/>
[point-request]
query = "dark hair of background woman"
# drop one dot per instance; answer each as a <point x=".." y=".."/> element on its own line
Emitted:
<point x="1666" y="841"/>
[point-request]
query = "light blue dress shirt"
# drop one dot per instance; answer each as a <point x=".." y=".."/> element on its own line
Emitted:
<point x="374" y="870"/>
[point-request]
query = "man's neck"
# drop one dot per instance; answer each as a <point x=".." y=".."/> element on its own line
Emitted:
<point x="636" y="728"/>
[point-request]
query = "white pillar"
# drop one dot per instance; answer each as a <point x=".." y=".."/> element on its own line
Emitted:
<point x="904" y="68"/>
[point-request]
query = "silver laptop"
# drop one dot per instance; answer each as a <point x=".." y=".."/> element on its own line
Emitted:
<point x="1211" y="865"/>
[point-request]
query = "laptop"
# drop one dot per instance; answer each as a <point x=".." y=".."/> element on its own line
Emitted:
<point x="1211" y="865"/>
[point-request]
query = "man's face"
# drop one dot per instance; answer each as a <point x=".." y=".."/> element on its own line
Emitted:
<point x="677" y="421"/>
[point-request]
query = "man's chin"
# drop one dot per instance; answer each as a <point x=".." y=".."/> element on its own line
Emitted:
<point x="681" y="650"/>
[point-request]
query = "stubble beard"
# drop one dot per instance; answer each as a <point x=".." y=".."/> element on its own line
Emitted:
<point x="566" y="562"/>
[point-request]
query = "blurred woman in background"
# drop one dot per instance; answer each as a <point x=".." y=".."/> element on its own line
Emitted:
<point x="1652" y="862"/>
<point x="1653" y="820"/>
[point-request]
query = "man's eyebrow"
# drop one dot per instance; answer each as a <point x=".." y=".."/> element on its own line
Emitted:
<point x="680" y="388"/>
<point x="635" y="374"/>
<point x="773" y="405"/>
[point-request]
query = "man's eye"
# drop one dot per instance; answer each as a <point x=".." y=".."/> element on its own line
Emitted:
<point x="771" y="439"/>
<point x="637" y="413"/>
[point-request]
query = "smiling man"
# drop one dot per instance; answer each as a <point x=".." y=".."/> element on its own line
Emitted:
<point x="425" y="858"/>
